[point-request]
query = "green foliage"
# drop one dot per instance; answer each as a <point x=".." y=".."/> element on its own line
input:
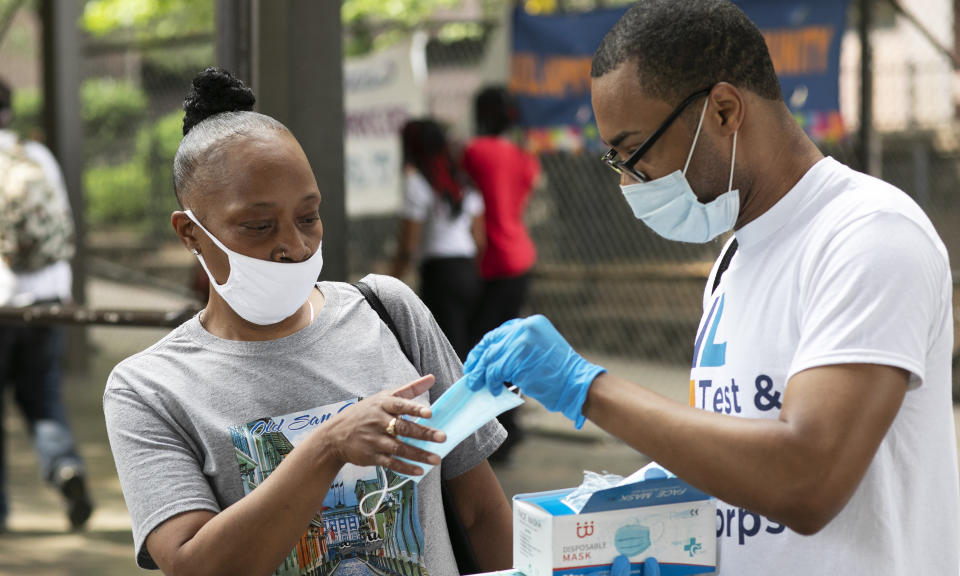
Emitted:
<point x="457" y="31"/>
<point x="408" y="12"/>
<point x="176" y="66"/>
<point x="377" y="24"/>
<point x="116" y="194"/>
<point x="27" y="113"/>
<point x="161" y="140"/>
<point x="148" y="18"/>
<point x="135" y="191"/>
<point x="111" y="109"/>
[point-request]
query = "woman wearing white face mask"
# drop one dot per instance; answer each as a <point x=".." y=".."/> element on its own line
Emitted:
<point x="239" y="438"/>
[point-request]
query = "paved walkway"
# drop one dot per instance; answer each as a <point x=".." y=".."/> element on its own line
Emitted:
<point x="39" y="543"/>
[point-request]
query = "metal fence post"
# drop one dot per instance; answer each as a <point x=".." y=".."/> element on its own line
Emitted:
<point x="234" y="20"/>
<point x="298" y="75"/>
<point x="64" y="133"/>
<point x="869" y="153"/>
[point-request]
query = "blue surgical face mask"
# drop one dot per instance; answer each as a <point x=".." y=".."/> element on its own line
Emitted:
<point x="669" y="207"/>
<point x="632" y="539"/>
<point x="459" y="412"/>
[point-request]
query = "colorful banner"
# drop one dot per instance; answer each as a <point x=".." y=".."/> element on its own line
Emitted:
<point x="550" y="76"/>
<point x="550" y="68"/>
<point x="804" y="40"/>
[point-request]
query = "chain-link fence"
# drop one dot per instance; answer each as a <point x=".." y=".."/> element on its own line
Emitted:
<point x="133" y="123"/>
<point x="606" y="281"/>
<point x="131" y="93"/>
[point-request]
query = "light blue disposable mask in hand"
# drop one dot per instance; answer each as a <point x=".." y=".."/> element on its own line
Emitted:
<point x="459" y="412"/>
<point x="670" y="208"/>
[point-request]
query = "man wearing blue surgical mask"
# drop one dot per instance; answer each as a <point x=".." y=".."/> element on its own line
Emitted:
<point x="820" y="413"/>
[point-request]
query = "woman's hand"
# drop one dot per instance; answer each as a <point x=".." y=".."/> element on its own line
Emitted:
<point x="359" y="435"/>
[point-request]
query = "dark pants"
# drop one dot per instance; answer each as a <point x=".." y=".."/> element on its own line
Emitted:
<point x="450" y="287"/>
<point x="30" y="359"/>
<point x="501" y="301"/>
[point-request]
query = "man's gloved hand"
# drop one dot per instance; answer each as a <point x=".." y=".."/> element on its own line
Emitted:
<point x="532" y="355"/>
<point x="621" y="567"/>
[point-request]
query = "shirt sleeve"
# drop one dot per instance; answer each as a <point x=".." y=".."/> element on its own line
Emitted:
<point x="472" y="203"/>
<point x="433" y="354"/>
<point x="418" y="197"/>
<point x="875" y="294"/>
<point x="160" y="474"/>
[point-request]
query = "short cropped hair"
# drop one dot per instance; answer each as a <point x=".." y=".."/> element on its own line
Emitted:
<point x="495" y="111"/>
<point x="682" y="46"/>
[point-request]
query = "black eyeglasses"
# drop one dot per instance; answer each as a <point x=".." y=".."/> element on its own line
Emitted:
<point x="626" y="166"/>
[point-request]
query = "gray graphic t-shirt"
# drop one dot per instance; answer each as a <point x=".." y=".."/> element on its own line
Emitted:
<point x="196" y="422"/>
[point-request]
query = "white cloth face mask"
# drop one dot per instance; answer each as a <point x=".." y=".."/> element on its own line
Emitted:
<point x="263" y="292"/>
<point x="670" y="208"/>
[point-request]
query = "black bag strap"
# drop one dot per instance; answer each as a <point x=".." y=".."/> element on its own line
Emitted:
<point x="374" y="301"/>
<point x="724" y="264"/>
<point x="459" y="539"/>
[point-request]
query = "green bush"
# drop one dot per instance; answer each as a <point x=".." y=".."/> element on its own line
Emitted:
<point x="116" y="194"/>
<point x="159" y="141"/>
<point x="27" y="113"/>
<point x="140" y="190"/>
<point x="112" y="110"/>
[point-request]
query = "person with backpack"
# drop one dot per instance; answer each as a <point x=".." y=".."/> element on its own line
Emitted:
<point x="36" y="245"/>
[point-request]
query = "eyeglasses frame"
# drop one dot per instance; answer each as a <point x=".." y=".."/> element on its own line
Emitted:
<point x="627" y="166"/>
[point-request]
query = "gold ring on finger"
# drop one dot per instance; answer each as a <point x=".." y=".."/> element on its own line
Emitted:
<point x="392" y="427"/>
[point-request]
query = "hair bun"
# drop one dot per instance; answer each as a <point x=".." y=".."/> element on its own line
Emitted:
<point x="214" y="91"/>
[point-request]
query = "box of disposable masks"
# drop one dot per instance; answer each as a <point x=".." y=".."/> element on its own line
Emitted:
<point x="663" y="518"/>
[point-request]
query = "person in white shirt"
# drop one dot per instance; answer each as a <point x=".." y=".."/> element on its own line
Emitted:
<point x="30" y="356"/>
<point x="820" y="411"/>
<point x="442" y="224"/>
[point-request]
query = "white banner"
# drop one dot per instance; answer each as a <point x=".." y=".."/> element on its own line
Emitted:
<point x="381" y="92"/>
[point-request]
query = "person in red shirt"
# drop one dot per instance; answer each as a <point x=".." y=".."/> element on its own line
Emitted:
<point x="506" y="175"/>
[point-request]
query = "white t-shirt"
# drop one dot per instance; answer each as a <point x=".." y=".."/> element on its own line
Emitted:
<point x="443" y="235"/>
<point x="844" y="269"/>
<point x="53" y="281"/>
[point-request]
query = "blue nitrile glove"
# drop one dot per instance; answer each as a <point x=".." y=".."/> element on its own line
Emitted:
<point x="532" y="355"/>
<point x="620" y="566"/>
